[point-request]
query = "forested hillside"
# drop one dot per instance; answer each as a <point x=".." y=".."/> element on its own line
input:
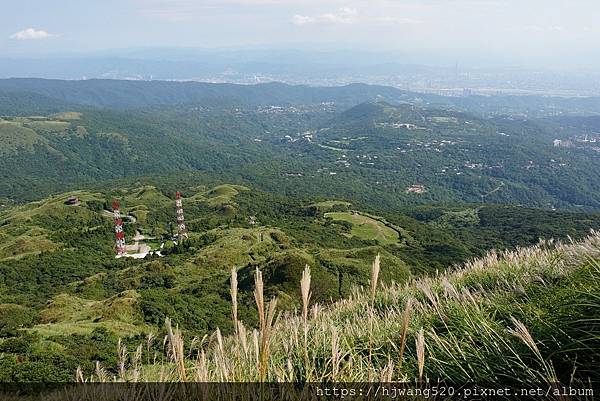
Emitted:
<point x="374" y="152"/>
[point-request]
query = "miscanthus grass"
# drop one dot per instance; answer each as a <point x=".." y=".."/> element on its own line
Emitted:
<point x="504" y="318"/>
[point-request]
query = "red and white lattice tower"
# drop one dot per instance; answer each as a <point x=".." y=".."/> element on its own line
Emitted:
<point x="119" y="234"/>
<point x="181" y="229"/>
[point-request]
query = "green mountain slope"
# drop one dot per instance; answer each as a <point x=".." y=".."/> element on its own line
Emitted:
<point x="439" y="155"/>
<point x="374" y="153"/>
<point x="513" y="319"/>
<point x="63" y="291"/>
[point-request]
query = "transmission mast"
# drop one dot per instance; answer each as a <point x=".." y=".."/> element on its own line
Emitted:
<point x="181" y="229"/>
<point x="119" y="234"/>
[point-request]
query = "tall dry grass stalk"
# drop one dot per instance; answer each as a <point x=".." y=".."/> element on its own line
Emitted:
<point x="136" y="363"/>
<point x="79" y="375"/>
<point x="265" y="324"/>
<point x="404" y="330"/>
<point x="259" y="297"/>
<point x="121" y="359"/>
<point x="314" y="311"/>
<point x="306" y="294"/>
<point x="234" y="313"/>
<point x="175" y="350"/>
<point x="520" y="331"/>
<point x="387" y="372"/>
<point x="335" y="353"/>
<point x="220" y="357"/>
<point x="243" y="338"/>
<point x="420" y="344"/>
<point x="149" y="341"/>
<point x="234" y="292"/>
<point x="256" y="346"/>
<point x="374" y="277"/>
<point x="260" y="306"/>
<point x="201" y="365"/>
<point x="101" y="374"/>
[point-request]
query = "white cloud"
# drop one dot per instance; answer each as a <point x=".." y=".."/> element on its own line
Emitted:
<point x="29" y="34"/>
<point x="303" y="19"/>
<point x="346" y="15"/>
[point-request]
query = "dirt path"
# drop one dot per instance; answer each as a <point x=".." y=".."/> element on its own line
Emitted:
<point x="137" y="247"/>
<point x="129" y="217"/>
<point x="138" y="236"/>
<point x="493" y="190"/>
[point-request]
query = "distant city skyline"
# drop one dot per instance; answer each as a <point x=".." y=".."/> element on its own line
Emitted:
<point x="475" y="32"/>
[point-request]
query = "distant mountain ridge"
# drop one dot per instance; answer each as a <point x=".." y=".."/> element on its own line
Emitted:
<point x="24" y="96"/>
<point x="137" y="94"/>
<point x="28" y="103"/>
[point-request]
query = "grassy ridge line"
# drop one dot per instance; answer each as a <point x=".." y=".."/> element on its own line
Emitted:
<point x="524" y="316"/>
<point x="365" y="227"/>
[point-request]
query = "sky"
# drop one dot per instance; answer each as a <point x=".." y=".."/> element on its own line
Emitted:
<point x="519" y="31"/>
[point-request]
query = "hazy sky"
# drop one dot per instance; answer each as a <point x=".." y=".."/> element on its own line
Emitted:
<point x="546" y="31"/>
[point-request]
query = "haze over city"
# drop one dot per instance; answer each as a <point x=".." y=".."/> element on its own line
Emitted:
<point x="484" y="32"/>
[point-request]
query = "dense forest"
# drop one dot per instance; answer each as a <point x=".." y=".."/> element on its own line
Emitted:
<point x="370" y="153"/>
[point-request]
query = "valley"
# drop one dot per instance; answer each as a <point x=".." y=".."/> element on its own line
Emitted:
<point x="367" y="153"/>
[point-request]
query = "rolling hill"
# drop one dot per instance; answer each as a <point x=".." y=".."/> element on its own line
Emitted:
<point x="375" y="152"/>
<point x="63" y="291"/>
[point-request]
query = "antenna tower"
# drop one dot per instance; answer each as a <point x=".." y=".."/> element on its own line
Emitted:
<point x="181" y="229"/>
<point x="119" y="234"/>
